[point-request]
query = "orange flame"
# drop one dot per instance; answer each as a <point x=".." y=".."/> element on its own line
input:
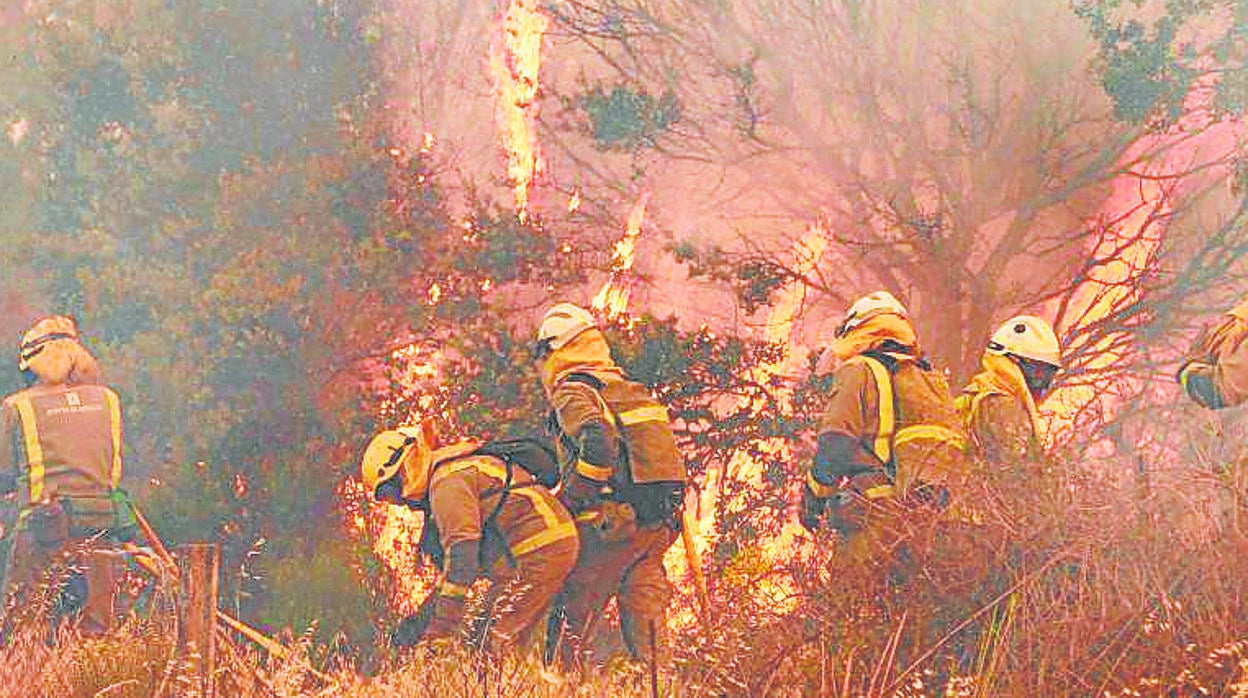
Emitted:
<point x="612" y="299"/>
<point x="792" y="543"/>
<point x="515" y="66"/>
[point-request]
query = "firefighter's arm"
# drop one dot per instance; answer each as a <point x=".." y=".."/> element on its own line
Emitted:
<point x="1215" y="375"/>
<point x="839" y="454"/>
<point x="456" y="509"/>
<point x="1199" y="381"/>
<point x="839" y="451"/>
<point x="1003" y="428"/>
<point x="582" y="416"/>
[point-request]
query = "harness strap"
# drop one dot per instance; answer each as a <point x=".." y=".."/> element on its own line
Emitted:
<point x="554" y="531"/>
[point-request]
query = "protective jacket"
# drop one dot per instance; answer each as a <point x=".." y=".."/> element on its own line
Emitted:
<point x="888" y="413"/>
<point x="999" y="413"/>
<point x="61" y="451"/>
<point x="63" y="442"/>
<point x="613" y="434"/>
<point x="495" y="519"/>
<point x="1215" y="375"/>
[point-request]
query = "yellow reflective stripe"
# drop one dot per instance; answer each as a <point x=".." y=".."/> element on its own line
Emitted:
<point x="540" y="540"/>
<point x="556" y="529"/>
<point x="453" y="590"/>
<point x="449" y="469"/>
<point x="817" y="488"/>
<point x="933" y="432"/>
<point x="114" y="414"/>
<point x="649" y="413"/>
<point x="883" y="444"/>
<point x="34" y="449"/>
<point x="597" y="473"/>
<point x="879" y="492"/>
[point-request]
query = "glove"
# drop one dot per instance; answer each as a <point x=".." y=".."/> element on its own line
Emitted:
<point x="811" y="510"/>
<point x="836" y="508"/>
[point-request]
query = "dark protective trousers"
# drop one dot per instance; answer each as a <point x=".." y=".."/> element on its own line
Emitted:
<point x="626" y="563"/>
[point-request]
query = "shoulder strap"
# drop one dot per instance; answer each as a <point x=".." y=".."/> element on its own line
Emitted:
<point x="587" y="379"/>
<point x="597" y="385"/>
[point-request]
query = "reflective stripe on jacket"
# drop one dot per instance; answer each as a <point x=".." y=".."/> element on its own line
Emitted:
<point x="902" y="421"/>
<point x="62" y="441"/>
<point x="464" y="493"/>
<point x="629" y="410"/>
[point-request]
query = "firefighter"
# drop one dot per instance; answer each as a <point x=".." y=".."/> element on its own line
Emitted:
<point x="622" y="476"/>
<point x="889" y="433"/>
<point x="61" y="457"/>
<point x="1215" y="373"/>
<point x="998" y="406"/>
<point x="484" y="515"/>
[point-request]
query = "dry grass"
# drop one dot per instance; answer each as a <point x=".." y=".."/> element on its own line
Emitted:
<point x="1074" y="583"/>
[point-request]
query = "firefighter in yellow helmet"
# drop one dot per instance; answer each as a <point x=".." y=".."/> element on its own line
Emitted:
<point x="889" y="432"/>
<point x="998" y="406"/>
<point x="484" y="516"/>
<point x="61" y="454"/>
<point x="1215" y="372"/>
<point x="622" y="475"/>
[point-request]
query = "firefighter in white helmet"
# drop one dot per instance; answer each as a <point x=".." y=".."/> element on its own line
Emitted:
<point x="623" y="476"/>
<point x="998" y="405"/>
<point x="889" y="431"/>
<point x="484" y="516"/>
<point x="61" y="452"/>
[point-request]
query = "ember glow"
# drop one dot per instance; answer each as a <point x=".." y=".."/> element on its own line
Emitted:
<point x="612" y="299"/>
<point x="515" y="61"/>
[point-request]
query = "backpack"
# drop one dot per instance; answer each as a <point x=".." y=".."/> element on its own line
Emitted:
<point x="652" y="475"/>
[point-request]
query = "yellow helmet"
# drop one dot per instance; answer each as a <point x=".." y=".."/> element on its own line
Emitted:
<point x="405" y="451"/>
<point x="560" y="325"/>
<point x="867" y="307"/>
<point x="44" y="331"/>
<point x="1027" y="337"/>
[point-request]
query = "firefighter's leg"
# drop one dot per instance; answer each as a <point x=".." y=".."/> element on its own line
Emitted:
<point x="594" y="580"/>
<point x="524" y="596"/>
<point x="101" y="572"/>
<point x="645" y="594"/>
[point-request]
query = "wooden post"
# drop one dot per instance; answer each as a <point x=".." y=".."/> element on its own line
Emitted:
<point x="200" y="567"/>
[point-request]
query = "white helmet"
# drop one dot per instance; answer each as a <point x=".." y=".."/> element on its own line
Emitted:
<point x="870" y="305"/>
<point x="560" y="325"/>
<point x="1028" y="337"/>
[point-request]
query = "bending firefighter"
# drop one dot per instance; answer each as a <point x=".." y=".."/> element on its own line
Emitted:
<point x="622" y="475"/>
<point x="889" y="432"/>
<point x="484" y="515"/>
<point x="1215" y="373"/>
<point x="998" y="406"/>
<point x="61" y="454"/>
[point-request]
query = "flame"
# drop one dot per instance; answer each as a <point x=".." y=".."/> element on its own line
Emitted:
<point x="396" y="530"/>
<point x="778" y="591"/>
<point x="1131" y="227"/>
<point x="574" y="201"/>
<point x="612" y="299"/>
<point x="515" y="66"/>
<point x="1126" y="252"/>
